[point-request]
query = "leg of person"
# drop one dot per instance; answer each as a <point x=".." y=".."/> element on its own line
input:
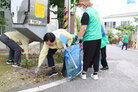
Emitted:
<point x="126" y="46"/>
<point x="51" y="62"/>
<point x="64" y="72"/>
<point x="123" y="46"/>
<point x="88" y="56"/>
<point x="96" y="59"/>
<point x="103" y="59"/>
<point x="13" y="46"/>
<point x="11" y="57"/>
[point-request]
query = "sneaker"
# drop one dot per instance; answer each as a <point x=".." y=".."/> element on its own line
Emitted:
<point x="94" y="76"/>
<point x="83" y="76"/>
<point x="104" y="68"/>
<point x="52" y="73"/>
<point x="16" y="65"/>
<point x="9" y="62"/>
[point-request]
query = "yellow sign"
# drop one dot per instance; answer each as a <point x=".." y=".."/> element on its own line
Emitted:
<point x="39" y="10"/>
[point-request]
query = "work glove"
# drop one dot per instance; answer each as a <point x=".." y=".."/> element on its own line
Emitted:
<point x="37" y="69"/>
<point x="78" y="41"/>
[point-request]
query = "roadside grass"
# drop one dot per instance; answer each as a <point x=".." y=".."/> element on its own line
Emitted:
<point x="12" y="78"/>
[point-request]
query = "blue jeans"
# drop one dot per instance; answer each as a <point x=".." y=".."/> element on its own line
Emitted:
<point x="15" y="49"/>
<point x="124" y="44"/>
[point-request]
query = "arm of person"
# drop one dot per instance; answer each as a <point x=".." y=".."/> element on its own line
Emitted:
<point x="43" y="54"/>
<point x="25" y="46"/>
<point x="84" y="22"/>
<point x="69" y="36"/>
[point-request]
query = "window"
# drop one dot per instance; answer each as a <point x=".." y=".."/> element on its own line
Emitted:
<point x="114" y="24"/>
<point x="110" y="24"/>
<point x="124" y="22"/>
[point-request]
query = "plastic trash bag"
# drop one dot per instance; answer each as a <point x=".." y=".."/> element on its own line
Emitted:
<point x="73" y="61"/>
<point x="120" y="43"/>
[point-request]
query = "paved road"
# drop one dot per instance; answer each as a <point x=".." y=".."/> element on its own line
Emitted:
<point x="122" y="76"/>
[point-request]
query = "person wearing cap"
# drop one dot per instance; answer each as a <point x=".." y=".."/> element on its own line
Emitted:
<point x="125" y="41"/>
<point x="52" y="43"/>
<point x="13" y="40"/>
<point x="91" y="33"/>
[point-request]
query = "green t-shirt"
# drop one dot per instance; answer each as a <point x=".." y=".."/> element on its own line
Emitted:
<point x="104" y="41"/>
<point x="93" y="31"/>
<point x="126" y="38"/>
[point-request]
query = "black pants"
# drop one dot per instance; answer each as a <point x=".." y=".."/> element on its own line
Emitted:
<point x="15" y="49"/>
<point x="103" y="57"/>
<point x="50" y="58"/>
<point x="91" y="54"/>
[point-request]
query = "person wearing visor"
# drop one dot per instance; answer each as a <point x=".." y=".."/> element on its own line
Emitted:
<point x="90" y="31"/>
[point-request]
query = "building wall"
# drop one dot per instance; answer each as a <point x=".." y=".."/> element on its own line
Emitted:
<point x="119" y="20"/>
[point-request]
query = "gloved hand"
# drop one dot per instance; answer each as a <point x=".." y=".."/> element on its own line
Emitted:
<point x="78" y="41"/>
<point x="37" y="69"/>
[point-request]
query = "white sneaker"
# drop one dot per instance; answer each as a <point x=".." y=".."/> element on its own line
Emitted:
<point x="8" y="63"/>
<point x="95" y="77"/>
<point x="16" y="66"/>
<point x="83" y="76"/>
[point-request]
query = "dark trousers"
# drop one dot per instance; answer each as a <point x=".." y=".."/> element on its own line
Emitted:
<point x="103" y="57"/>
<point x="15" y="49"/>
<point x="50" y="58"/>
<point x="91" y="54"/>
<point x="124" y="44"/>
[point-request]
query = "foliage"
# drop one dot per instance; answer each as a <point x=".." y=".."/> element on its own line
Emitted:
<point x="4" y="4"/>
<point x="130" y="29"/>
<point x="27" y="63"/>
<point x="60" y="10"/>
<point x="110" y="35"/>
<point x="136" y="20"/>
<point x="120" y="35"/>
<point x="3" y="20"/>
<point x="58" y="57"/>
<point x="78" y="23"/>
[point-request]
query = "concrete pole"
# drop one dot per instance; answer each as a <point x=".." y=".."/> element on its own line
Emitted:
<point x="69" y="5"/>
<point x="137" y="40"/>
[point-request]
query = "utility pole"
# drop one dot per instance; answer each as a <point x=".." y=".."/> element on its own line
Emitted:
<point x="67" y="5"/>
<point x="65" y="14"/>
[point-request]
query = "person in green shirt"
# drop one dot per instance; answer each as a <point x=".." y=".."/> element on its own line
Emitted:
<point x="125" y="40"/>
<point x="104" y="42"/>
<point x="91" y="32"/>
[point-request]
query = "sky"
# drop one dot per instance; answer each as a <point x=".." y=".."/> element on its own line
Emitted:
<point x="108" y="7"/>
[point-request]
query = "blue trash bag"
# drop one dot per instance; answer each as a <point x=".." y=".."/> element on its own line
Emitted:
<point x="73" y="61"/>
<point x="100" y="60"/>
<point x="120" y="43"/>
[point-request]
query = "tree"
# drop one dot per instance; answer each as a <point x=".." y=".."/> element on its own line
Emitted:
<point x="4" y="4"/>
<point x="60" y="10"/>
<point x="110" y="35"/>
<point x="130" y="29"/>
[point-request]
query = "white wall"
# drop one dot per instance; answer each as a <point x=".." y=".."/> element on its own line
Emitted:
<point x="53" y="21"/>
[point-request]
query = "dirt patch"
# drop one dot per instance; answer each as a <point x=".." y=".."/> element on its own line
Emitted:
<point x="11" y="78"/>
